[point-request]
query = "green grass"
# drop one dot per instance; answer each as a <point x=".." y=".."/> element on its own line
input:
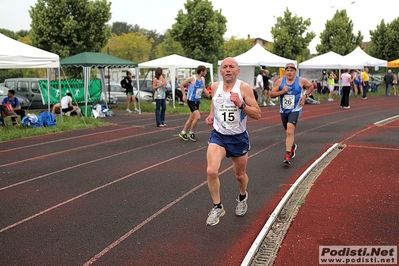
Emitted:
<point x="69" y="123"/>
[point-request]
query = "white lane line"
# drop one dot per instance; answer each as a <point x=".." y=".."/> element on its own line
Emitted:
<point x="385" y="121"/>
<point x="93" y="190"/>
<point x="258" y="241"/>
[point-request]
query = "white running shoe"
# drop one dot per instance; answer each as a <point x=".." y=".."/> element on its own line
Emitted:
<point x="214" y="215"/>
<point x="242" y="206"/>
<point x="128" y="110"/>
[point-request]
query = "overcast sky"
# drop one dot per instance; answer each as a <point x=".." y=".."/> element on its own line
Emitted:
<point x="250" y="17"/>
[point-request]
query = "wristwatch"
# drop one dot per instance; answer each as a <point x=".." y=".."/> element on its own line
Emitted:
<point x="243" y="105"/>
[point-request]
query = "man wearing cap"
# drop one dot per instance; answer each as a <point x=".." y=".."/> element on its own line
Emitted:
<point x="292" y="99"/>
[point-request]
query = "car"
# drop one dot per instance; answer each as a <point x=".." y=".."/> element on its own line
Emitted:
<point x="146" y="85"/>
<point x="119" y="92"/>
<point x="112" y="98"/>
<point x="25" y="103"/>
<point x="27" y="88"/>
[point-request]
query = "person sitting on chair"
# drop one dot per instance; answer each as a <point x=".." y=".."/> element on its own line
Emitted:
<point x="66" y="105"/>
<point x="15" y="104"/>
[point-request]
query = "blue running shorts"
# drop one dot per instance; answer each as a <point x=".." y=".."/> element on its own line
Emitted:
<point x="235" y="145"/>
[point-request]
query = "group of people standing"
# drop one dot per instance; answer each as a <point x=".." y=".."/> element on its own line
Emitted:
<point x="391" y="80"/>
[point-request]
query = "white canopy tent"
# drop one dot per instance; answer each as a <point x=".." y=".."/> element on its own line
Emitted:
<point x="257" y="56"/>
<point x="328" y="60"/>
<point x="360" y="57"/>
<point x="174" y="62"/>
<point x="15" y="54"/>
<point x="331" y="60"/>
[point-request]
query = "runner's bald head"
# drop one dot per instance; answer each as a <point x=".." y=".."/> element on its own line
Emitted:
<point x="229" y="61"/>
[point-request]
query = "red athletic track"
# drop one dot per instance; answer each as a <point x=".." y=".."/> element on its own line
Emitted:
<point x="134" y="194"/>
<point x="354" y="202"/>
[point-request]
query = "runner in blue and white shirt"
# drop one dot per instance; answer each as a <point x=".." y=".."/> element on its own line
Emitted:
<point x="292" y="99"/>
<point x="196" y="85"/>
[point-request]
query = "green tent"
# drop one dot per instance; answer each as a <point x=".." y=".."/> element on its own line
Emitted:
<point x="97" y="60"/>
<point x="88" y="60"/>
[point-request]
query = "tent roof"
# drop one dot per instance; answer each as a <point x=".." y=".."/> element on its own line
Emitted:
<point x="174" y="61"/>
<point x="99" y="60"/>
<point x="393" y="63"/>
<point x="15" y="54"/>
<point x="259" y="56"/>
<point x="328" y="60"/>
<point x="360" y="57"/>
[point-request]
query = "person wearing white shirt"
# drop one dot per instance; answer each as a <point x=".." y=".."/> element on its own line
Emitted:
<point x="66" y="105"/>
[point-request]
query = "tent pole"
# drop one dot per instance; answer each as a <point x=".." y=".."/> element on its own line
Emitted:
<point x="103" y="88"/>
<point x="48" y="88"/>
<point x="138" y="87"/>
<point x="173" y="74"/>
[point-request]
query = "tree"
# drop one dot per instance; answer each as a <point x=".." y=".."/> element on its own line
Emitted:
<point x="118" y="28"/>
<point x="156" y="40"/>
<point x="9" y="33"/>
<point x="385" y="41"/>
<point x="338" y="35"/>
<point x="234" y="47"/>
<point x="168" y="46"/>
<point x="70" y="27"/>
<point x="132" y="46"/>
<point x="200" y="31"/>
<point x="289" y="37"/>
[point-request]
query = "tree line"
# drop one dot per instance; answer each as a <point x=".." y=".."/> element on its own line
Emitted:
<point x="71" y="27"/>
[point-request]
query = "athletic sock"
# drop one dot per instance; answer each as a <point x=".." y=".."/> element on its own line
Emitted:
<point x="219" y="205"/>
<point x="242" y="197"/>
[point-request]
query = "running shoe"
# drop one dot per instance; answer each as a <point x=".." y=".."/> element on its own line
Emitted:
<point x="287" y="159"/>
<point x="191" y="136"/>
<point x="183" y="136"/>
<point x="214" y="215"/>
<point x="272" y="103"/>
<point x="293" y="149"/>
<point x="242" y="206"/>
<point x="129" y="111"/>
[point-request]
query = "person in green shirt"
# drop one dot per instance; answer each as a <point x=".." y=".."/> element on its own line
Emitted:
<point x="331" y="83"/>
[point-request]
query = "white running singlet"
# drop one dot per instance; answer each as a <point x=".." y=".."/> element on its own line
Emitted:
<point x="228" y="118"/>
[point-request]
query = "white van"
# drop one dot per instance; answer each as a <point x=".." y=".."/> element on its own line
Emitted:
<point x="27" y="87"/>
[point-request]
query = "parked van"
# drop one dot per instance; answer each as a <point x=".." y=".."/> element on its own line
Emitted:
<point x="29" y="88"/>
